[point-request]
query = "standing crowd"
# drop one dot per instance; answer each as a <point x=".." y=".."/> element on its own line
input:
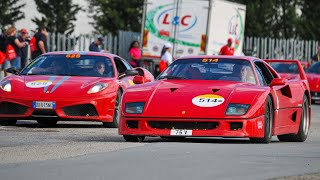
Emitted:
<point x="14" y="49"/>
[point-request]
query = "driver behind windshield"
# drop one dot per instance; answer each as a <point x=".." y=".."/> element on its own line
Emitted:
<point x="99" y="69"/>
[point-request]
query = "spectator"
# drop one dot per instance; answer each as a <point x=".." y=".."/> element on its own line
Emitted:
<point x="23" y="37"/>
<point x="135" y="54"/>
<point x="166" y="57"/>
<point x="315" y="58"/>
<point x="2" y="53"/>
<point x="227" y="49"/>
<point x="40" y="42"/>
<point x="17" y="45"/>
<point x="94" y="46"/>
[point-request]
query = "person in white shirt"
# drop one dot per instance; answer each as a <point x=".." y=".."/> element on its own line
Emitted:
<point x="166" y="53"/>
<point x="166" y="57"/>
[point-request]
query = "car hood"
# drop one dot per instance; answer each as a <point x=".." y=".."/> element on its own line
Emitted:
<point x="55" y="86"/>
<point x="191" y="98"/>
<point x="314" y="82"/>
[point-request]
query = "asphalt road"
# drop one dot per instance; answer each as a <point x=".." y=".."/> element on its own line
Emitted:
<point x="88" y="151"/>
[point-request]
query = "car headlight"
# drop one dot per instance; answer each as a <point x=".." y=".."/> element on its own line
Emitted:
<point x="6" y="85"/>
<point x="134" y="108"/>
<point x="237" y="109"/>
<point x="97" y="88"/>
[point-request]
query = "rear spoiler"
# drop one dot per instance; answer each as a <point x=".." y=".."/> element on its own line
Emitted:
<point x="300" y="68"/>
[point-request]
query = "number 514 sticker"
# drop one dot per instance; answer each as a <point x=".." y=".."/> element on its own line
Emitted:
<point x="208" y="100"/>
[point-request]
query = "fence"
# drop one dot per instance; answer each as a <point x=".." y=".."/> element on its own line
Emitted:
<point x="61" y="42"/>
<point x="265" y="48"/>
<point x="269" y="48"/>
<point x="111" y="43"/>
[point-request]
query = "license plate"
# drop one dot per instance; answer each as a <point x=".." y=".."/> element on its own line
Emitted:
<point x="180" y="132"/>
<point x="43" y="105"/>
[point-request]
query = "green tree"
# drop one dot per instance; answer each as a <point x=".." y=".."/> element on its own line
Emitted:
<point x="286" y="18"/>
<point x="110" y="16"/>
<point x="58" y="16"/>
<point x="260" y="17"/>
<point x="271" y="18"/>
<point x="10" y="12"/>
<point x="309" y="20"/>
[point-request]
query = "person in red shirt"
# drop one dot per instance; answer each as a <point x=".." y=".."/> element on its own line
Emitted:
<point x="227" y="49"/>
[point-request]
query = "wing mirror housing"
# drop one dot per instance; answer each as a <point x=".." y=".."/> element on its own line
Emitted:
<point x="12" y="70"/>
<point x="277" y="82"/>
<point x="138" y="80"/>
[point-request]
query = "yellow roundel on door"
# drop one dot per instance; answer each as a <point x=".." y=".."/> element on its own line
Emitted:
<point x="207" y="100"/>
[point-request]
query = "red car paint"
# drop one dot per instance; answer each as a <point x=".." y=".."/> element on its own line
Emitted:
<point x="313" y="75"/>
<point x="71" y="92"/>
<point x="168" y="102"/>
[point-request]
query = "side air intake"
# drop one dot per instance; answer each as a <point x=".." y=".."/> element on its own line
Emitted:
<point x="286" y="91"/>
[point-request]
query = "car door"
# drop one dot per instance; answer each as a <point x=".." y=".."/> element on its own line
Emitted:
<point x="286" y="109"/>
<point x="122" y="66"/>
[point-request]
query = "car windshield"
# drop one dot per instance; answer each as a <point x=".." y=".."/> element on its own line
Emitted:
<point x="286" y="67"/>
<point x="70" y="65"/>
<point x="210" y="69"/>
<point x="314" y="68"/>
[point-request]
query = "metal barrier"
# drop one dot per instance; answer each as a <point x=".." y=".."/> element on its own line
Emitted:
<point x="265" y="48"/>
<point x="269" y="48"/>
<point x="61" y="42"/>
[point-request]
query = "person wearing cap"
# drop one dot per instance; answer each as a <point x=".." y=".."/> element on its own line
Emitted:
<point x="41" y="42"/>
<point x="166" y="57"/>
<point x="227" y="49"/>
<point x="23" y="37"/>
<point x="94" y="46"/>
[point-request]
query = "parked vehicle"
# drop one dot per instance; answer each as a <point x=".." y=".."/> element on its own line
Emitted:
<point x="193" y="27"/>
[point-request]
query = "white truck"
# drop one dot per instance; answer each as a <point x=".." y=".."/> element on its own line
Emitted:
<point x="193" y="27"/>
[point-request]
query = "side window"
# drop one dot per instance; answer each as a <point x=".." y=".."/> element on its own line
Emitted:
<point x="126" y="64"/>
<point x="121" y="67"/>
<point x="260" y="76"/>
<point x="266" y="74"/>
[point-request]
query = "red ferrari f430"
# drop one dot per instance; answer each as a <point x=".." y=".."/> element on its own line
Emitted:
<point x="68" y="86"/>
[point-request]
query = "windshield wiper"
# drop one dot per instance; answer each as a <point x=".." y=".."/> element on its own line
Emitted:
<point x="172" y="77"/>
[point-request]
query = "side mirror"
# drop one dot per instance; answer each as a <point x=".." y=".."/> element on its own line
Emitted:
<point x="277" y="82"/>
<point x="138" y="80"/>
<point x="12" y="70"/>
<point x="131" y="72"/>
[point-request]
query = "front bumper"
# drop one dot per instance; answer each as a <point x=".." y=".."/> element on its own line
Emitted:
<point x="200" y="127"/>
<point x="98" y="108"/>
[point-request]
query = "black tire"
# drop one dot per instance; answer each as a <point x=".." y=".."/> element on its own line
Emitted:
<point x="116" y="115"/>
<point x="129" y="138"/>
<point x="47" y="122"/>
<point x="11" y="122"/>
<point x="313" y="102"/>
<point x="304" y="125"/>
<point x="268" y="123"/>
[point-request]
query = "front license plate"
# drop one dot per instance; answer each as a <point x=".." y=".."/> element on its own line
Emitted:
<point x="43" y="105"/>
<point x="180" y="132"/>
